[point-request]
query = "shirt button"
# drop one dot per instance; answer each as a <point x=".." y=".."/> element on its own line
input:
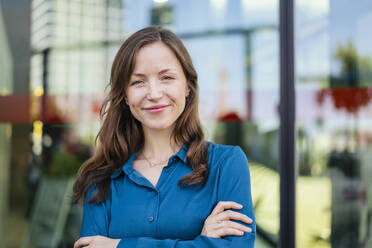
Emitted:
<point x="151" y="219"/>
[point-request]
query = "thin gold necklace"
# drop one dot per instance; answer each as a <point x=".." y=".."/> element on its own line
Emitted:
<point x="152" y="164"/>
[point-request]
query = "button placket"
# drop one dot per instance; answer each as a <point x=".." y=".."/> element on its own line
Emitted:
<point x="152" y="216"/>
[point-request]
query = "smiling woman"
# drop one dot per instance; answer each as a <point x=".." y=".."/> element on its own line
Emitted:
<point x="157" y="91"/>
<point x="154" y="181"/>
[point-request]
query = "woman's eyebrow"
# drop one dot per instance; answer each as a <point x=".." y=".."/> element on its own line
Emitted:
<point x="166" y="70"/>
<point x="138" y="74"/>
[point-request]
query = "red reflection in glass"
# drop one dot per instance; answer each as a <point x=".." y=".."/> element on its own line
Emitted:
<point x="349" y="99"/>
<point x="230" y="117"/>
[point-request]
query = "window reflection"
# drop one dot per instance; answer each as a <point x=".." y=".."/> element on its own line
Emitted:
<point x="333" y="121"/>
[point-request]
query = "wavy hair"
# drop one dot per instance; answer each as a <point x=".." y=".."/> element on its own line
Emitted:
<point x="121" y="134"/>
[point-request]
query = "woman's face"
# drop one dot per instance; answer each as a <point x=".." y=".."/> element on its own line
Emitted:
<point x="157" y="90"/>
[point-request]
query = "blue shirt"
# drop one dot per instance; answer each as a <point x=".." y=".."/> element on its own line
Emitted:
<point x="167" y="215"/>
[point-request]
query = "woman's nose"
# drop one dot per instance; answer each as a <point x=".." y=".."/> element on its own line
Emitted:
<point x="155" y="91"/>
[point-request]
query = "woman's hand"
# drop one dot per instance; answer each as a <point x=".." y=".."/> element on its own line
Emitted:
<point x="96" y="242"/>
<point x="219" y="224"/>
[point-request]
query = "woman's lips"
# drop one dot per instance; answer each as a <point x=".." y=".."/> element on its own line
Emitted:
<point x="156" y="109"/>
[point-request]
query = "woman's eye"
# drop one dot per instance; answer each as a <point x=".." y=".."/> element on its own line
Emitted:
<point x="136" y="82"/>
<point x="167" y="78"/>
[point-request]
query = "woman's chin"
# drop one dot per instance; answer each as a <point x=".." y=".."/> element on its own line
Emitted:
<point x="159" y="127"/>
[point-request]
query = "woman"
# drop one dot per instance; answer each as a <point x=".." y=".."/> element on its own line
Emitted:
<point x="154" y="181"/>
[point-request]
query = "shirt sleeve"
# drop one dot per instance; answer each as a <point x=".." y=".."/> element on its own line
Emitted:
<point x="95" y="217"/>
<point x="234" y="185"/>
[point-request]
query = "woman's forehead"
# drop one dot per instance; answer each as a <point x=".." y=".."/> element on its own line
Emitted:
<point x="155" y="57"/>
<point x="162" y="71"/>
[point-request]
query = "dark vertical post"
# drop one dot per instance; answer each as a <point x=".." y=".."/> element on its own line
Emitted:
<point x="44" y="99"/>
<point x="287" y="127"/>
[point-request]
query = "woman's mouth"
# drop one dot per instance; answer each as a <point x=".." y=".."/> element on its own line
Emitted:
<point x="156" y="109"/>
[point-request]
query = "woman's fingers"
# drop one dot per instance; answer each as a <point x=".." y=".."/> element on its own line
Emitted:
<point x="222" y="205"/>
<point x="84" y="241"/>
<point x="228" y="231"/>
<point x="219" y="224"/>
<point x="234" y="225"/>
<point x="96" y="242"/>
<point x="228" y="215"/>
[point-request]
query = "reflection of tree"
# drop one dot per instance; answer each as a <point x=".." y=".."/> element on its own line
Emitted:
<point x="349" y="58"/>
<point x="346" y="89"/>
<point x="356" y="71"/>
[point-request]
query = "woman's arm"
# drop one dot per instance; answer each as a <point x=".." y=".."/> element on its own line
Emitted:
<point x="234" y="185"/>
<point x="218" y="225"/>
<point x="96" y="217"/>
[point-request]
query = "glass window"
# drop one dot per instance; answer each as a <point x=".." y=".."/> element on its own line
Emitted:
<point x="333" y="126"/>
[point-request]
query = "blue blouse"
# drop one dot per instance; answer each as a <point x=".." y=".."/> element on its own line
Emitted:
<point x="167" y="215"/>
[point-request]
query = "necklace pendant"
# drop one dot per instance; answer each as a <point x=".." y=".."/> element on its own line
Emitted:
<point x="152" y="164"/>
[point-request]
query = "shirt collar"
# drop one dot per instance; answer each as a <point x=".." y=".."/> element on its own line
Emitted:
<point x="128" y="168"/>
<point x="181" y="154"/>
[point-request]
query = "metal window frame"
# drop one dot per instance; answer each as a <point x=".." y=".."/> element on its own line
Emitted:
<point x="287" y="235"/>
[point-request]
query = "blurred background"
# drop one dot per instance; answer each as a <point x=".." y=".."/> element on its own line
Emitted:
<point x="55" y="59"/>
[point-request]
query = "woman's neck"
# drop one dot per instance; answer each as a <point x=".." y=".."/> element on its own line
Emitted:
<point x="158" y="145"/>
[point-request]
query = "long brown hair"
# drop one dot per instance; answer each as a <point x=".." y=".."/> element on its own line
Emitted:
<point x="121" y="134"/>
